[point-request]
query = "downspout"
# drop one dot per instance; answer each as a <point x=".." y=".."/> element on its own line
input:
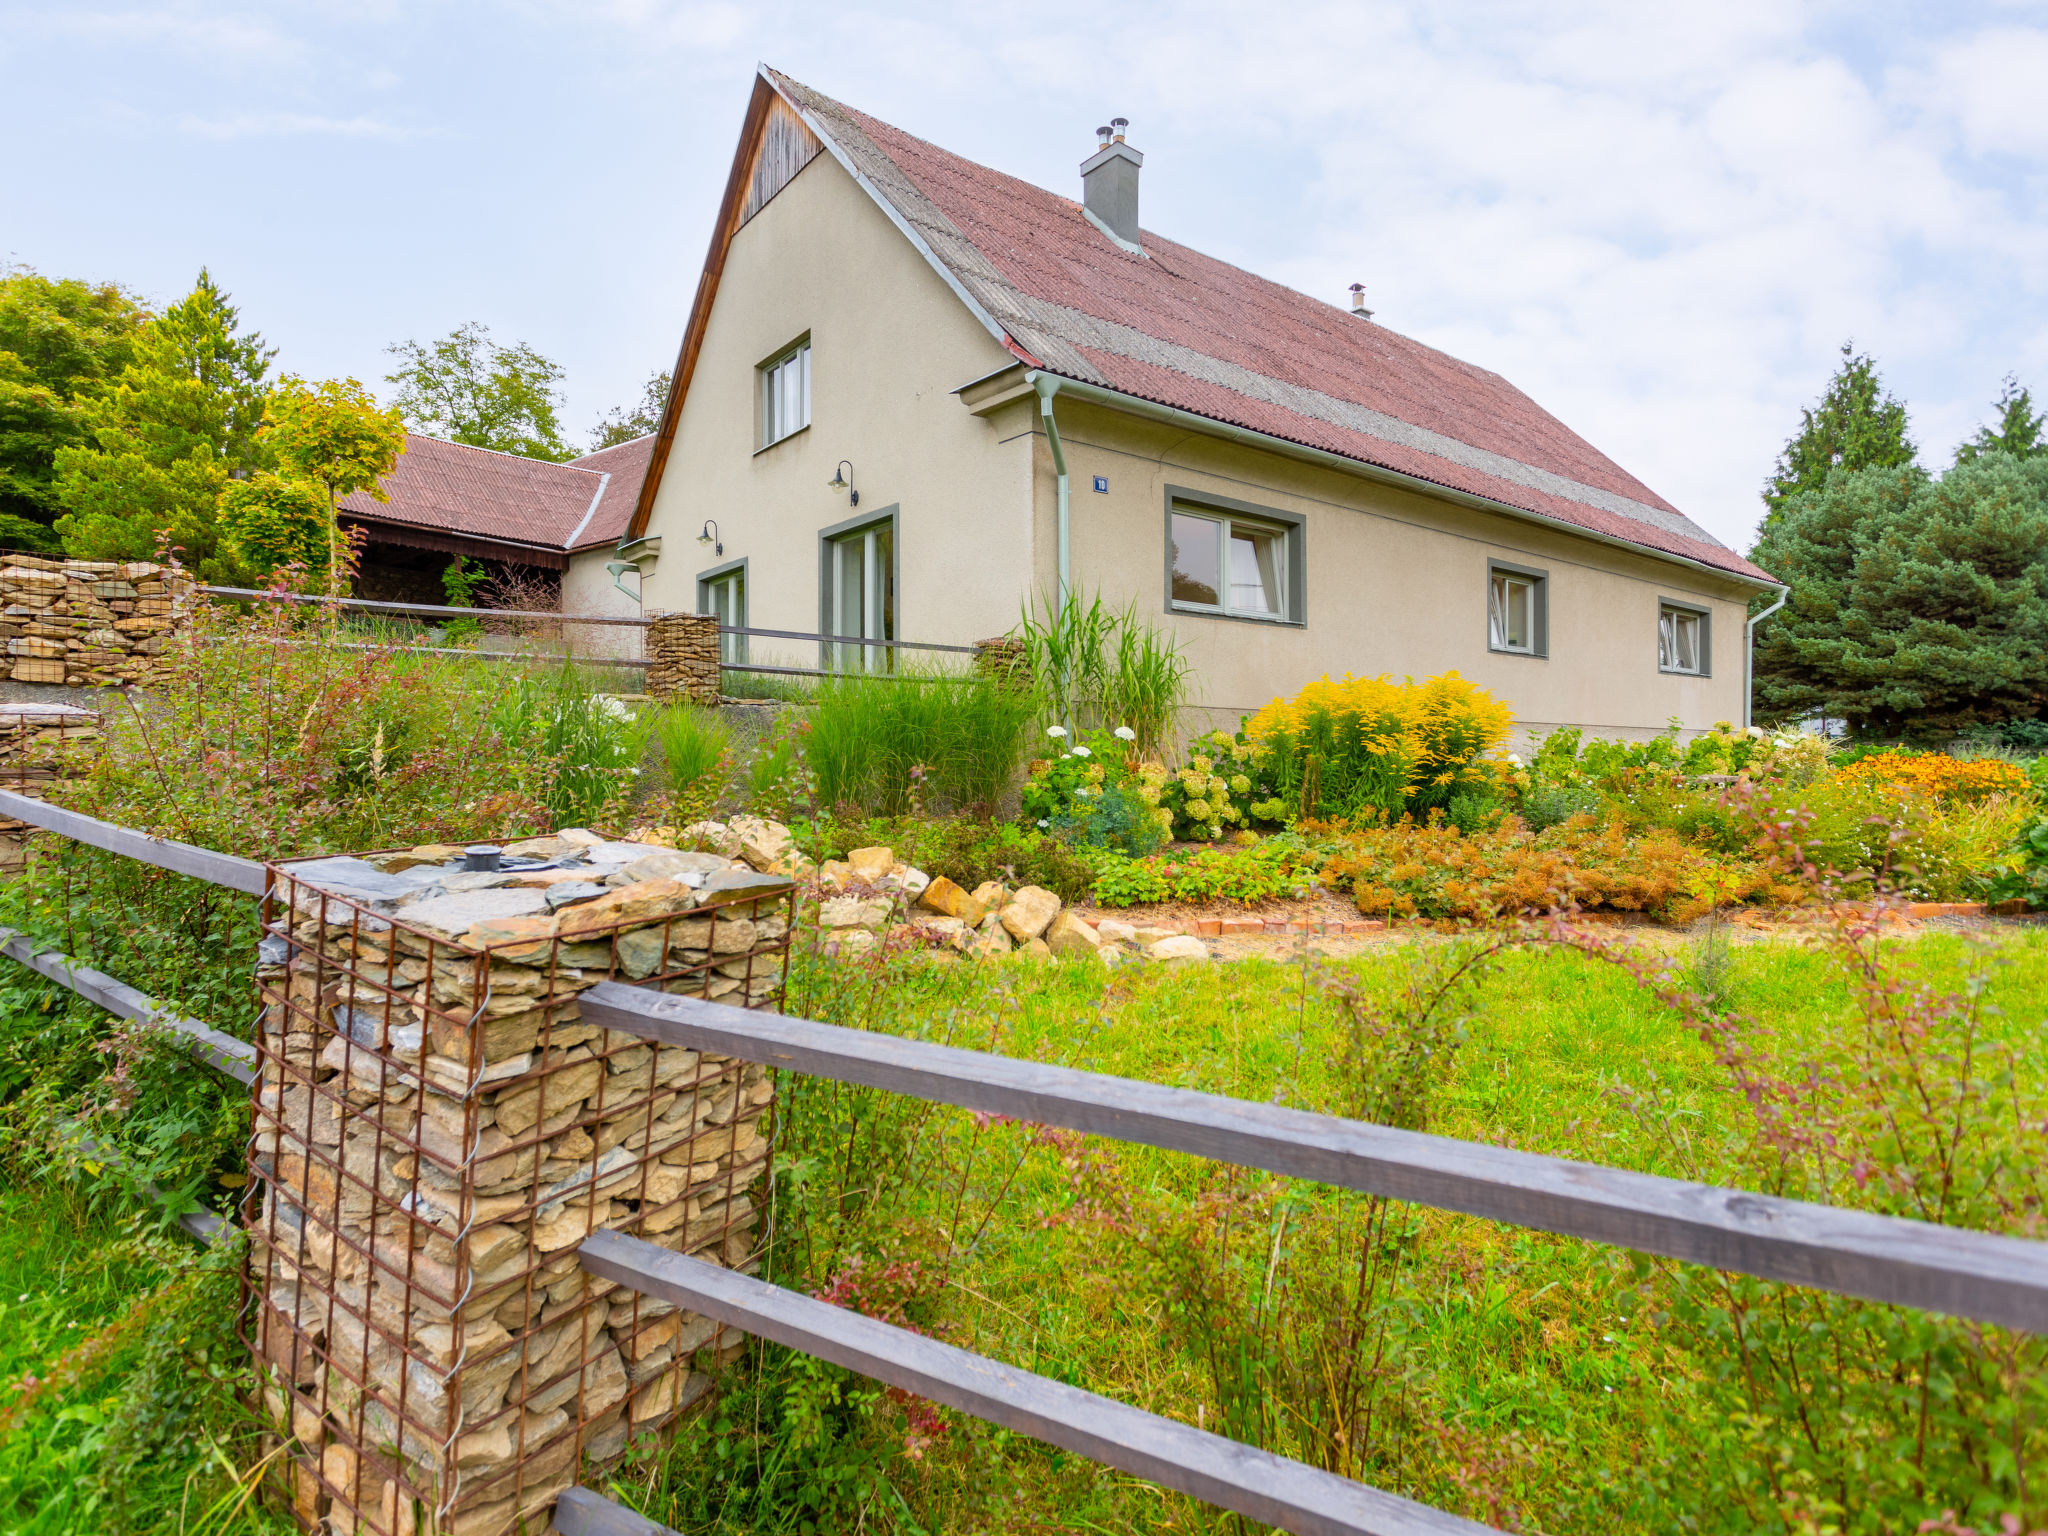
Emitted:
<point x="1749" y="656"/>
<point x="1048" y="386"/>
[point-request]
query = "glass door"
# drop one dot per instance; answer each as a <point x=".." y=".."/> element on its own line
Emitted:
<point x="725" y="598"/>
<point x="861" y="602"/>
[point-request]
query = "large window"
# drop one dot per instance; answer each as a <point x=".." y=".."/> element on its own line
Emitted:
<point x="723" y="593"/>
<point x="786" y="393"/>
<point x="1683" y="639"/>
<point x="1517" y="609"/>
<point x="859" y="596"/>
<point x="1238" y="564"/>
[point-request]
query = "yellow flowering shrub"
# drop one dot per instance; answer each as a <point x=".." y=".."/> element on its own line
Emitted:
<point x="1365" y="744"/>
<point x="1937" y="775"/>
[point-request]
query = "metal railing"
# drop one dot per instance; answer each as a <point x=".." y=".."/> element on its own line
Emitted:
<point x="1979" y="1276"/>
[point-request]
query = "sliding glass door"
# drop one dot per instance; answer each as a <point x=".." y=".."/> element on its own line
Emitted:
<point x="860" y="597"/>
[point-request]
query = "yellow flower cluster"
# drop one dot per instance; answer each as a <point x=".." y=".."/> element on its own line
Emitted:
<point x="1938" y="775"/>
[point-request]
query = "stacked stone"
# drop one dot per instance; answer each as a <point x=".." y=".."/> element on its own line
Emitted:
<point x="438" y="1128"/>
<point x="682" y="649"/>
<point x="40" y="745"/>
<point x="1004" y="659"/>
<point x="89" y="623"/>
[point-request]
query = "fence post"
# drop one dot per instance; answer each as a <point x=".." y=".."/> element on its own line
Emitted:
<point x="683" y="650"/>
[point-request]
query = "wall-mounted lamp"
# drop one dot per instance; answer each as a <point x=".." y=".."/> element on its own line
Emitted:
<point x="842" y="480"/>
<point x="710" y="536"/>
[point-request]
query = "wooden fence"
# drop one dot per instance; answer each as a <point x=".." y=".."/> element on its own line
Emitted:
<point x="1975" y="1275"/>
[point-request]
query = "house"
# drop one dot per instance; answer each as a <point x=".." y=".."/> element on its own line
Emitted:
<point x="914" y="393"/>
<point x="524" y="518"/>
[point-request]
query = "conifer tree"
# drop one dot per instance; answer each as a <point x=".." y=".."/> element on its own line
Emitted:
<point x="1918" y="606"/>
<point x="2018" y="431"/>
<point x="164" y="440"/>
<point x="1856" y="425"/>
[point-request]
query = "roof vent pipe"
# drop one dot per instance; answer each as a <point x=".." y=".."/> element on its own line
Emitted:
<point x="1358" y="302"/>
<point x="1109" y="183"/>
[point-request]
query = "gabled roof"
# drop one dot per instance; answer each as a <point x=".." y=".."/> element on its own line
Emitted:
<point x="440" y="490"/>
<point x="1180" y="330"/>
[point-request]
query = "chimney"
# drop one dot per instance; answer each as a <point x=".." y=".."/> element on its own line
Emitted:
<point x="1109" y="182"/>
<point x="1358" y="302"/>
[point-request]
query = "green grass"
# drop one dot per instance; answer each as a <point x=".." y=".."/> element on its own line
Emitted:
<point x="1532" y="1379"/>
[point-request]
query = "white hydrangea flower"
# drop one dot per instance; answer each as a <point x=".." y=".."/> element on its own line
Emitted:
<point x="1515" y="759"/>
<point x="1125" y="733"/>
<point x="1055" y="730"/>
<point x="1082" y="752"/>
<point x="1043" y="822"/>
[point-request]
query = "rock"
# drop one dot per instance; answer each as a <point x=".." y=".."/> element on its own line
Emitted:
<point x="872" y="864"/>
<point x="990" y="938"/>
<point x="992" y="894"/>
<point x="640" y="952"/>
<point x="834" y="874"/>
<point x="411" y="858"/>
<point x="912" y="880"/>
<point x="1180" y="947"/>
<point x="948" y="900"/>
<point x="460" y="912"/>
<point x="850" y="941"/>
<point x="570" y="893"/>
<point x="1145" y="938"/>
<point x="711" y="834"/>
<point x="767" y="845"/>
<point x="1070" y="937"/>
<point x="944" y="930"/>
<point x="852" y="912"/>
<point x="676" y="865"/>
<point x="1114" y="930"/>
<point x="739" y="885"/>
<point x="1030" y="912"/>
<point x="1035" y="949"/>
<point x="627" y="904"/>
<point x="580" y="837"/>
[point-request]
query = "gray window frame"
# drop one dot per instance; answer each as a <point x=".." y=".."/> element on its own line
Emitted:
<point x="762" y="441"/>
<point x="1706" y="618"/>
<point x="892" y="515"/>
<point x="732" y="648"/>
<point x="1207" y="504"/>
<point x="1540" y="580"/>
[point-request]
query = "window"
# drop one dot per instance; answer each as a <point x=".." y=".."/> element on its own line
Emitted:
<point x="1517" y="609"/>
<point x="723" y="594"/>
<point x="1241" y="566"/>
<point x="786" y="393"/>
<point x="859" y="594"/>
<point x="1682" y="639"/>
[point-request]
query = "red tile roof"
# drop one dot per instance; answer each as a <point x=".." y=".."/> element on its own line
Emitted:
<point x="1184" y="330"/>
<point x="451" y="488"/>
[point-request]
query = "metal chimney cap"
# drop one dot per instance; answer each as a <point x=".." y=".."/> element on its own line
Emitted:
<point x="1119" y="124"/>
<point x="1102" y="137"/>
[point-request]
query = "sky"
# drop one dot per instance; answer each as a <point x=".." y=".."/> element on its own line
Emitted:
<point x="1660" y="221"/>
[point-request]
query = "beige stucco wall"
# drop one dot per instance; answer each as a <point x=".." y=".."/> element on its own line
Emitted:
<point x="889" y="345"/>
<point x="1395" y="583"/>
<point x="587" y="588"/>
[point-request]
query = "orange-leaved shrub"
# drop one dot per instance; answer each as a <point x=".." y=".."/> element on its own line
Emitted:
<point x="1436" y="871"/>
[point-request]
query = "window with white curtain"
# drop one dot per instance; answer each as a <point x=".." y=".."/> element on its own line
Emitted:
<point x="1682" y="639"/>
<point x="786" y="393"/>
<point x="1223" y="563"/>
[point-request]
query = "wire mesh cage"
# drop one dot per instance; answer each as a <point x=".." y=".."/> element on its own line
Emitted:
<point x="40" y="745"/>
<point x="437" y="1128"/>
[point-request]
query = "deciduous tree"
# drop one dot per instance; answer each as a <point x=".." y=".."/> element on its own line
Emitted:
<point x="164" y="439"/>
<point x="468" y="389"/>
<point x="1856" y="425"/>
<point x="334" y="440"/>
<point x="623" y="425"/>
<point x="61" y="340"/>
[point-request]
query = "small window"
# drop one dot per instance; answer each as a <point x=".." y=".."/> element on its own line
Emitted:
<point x="860" y="596"/>
<point x="724" y="596"/>
<point x="1233" y="565"/>
<point x="1517" y="610"/>
<point x="786" y="394"/>
<point x="1682" y="639"/>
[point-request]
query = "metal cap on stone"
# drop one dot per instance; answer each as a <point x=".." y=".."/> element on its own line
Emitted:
<point x="481" y="856"/>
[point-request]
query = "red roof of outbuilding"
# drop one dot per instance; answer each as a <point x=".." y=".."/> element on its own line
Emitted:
<point x="452" y="488"/>
<point x="1181" y="329"/>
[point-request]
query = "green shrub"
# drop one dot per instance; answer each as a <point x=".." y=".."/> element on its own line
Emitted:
<point x="695" y="749"/>
<point x="1276" y="867"/>
<point x="588" y="743"/>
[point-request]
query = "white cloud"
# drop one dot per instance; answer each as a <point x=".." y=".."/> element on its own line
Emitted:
<point x="266" y="125"/>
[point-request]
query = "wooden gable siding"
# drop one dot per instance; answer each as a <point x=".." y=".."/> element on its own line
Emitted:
<point x="785" y="147"/>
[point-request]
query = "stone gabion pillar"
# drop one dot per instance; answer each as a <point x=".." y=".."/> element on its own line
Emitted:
<point x="1004" y="659"/>
<point x="90" y="623"/>
<point x="437" y="1128"/>
<point x="683" y="650"/>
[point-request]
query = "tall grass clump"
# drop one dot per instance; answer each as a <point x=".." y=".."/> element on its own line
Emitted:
<point x="587" y="743"/>
<point x="696" y="755"/>
<point x="1101" y="667"/>
<point x="879" y="743"/>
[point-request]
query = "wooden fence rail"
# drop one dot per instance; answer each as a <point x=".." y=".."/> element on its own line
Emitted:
<point x="1976" y="1275"/>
